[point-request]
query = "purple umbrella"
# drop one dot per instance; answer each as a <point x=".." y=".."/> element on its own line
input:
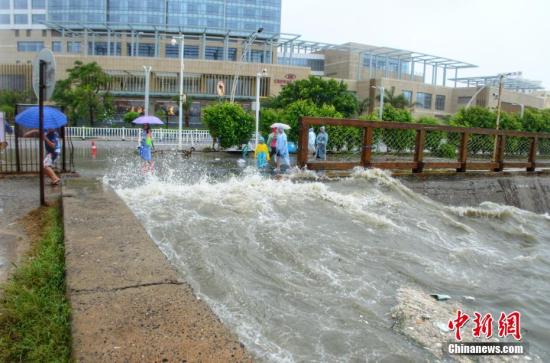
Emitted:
<point x="151" y="120"/>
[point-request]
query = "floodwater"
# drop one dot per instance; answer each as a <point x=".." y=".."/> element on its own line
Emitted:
<point x="307" y="270"/>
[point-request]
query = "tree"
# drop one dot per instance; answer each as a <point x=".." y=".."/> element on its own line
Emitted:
<point x="397" y="101"/>
<point x="84" y="93"/>
<point x="130" y="116"/>
<point x="229" y="123"/>
<point x="395" y="139"/>
<point x="320" y="92"/>
<point x="8" y="100"/>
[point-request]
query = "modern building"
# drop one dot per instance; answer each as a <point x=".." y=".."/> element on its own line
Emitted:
<point x="123" y="36"/>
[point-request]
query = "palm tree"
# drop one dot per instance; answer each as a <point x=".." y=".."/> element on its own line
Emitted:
<point x="399" y="101"/>
<point x="186" y="108"/>
<point x="364" y="106"/>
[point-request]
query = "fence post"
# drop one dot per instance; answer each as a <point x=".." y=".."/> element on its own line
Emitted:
<point x="533" y="154"/>
<point x="302" y="143"/>
<point x="366" y="155"/>
<point x="463" y="152"/>
<point x="17" y="156"/>
<point x="63" y="152"/>
<point x="499" y="153"/>
<point x="419" y="151"/>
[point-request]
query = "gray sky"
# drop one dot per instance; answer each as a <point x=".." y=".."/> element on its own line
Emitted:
<point x="497" y="35"/>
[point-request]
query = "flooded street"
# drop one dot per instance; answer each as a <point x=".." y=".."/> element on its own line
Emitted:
<point x="308" y="270"/>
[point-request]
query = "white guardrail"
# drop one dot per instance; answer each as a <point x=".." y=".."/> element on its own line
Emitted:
<point x="160" y="136"/>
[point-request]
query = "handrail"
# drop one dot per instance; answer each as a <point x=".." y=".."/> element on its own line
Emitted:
<point x="417" y="163"/>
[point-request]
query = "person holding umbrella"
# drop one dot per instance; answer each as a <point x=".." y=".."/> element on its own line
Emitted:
<point x="282" y="149"/>
<point x="146" y="143"/>
<point x="53" y="119"/>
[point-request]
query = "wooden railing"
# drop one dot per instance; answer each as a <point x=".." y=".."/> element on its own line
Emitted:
<point x="498" y="156"/>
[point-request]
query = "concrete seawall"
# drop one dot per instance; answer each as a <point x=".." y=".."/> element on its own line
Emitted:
<point x="529" y="191"/>
<point x="128" y="303"/>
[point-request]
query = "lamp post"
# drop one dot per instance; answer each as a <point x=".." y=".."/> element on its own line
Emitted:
<point x="147" y="77"/>
<point x="258" y="79"/>
<point x="174" y="41"/>
<point x="381" y="111"/>
<point x="251" y="38"/>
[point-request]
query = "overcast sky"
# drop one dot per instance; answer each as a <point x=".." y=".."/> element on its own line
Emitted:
<point x="497" y="35"/>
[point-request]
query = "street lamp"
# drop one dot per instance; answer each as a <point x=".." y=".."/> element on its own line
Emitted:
<point x="258" y="78"/>
<point x="174" y="41"/>
<point x="251" y="38"/>
<point x="381" y="111"/>
<point x="147" y="77"/>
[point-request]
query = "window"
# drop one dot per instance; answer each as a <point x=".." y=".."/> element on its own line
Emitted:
<point x="408" y="96"/>
<point x="39" y="4"/>
<point x="20" y="4"/>
<point x="4" y="18"/>
<point x="20" y="19"/>
<point x="30" y="46"/>
<point x="440" y="102"/>
<point x="57" y="46"/>
<point x="424" y="100"/>
<point x="4" y="4"/>
<point x="38" y="18"/>
<point x="73" y="47"/>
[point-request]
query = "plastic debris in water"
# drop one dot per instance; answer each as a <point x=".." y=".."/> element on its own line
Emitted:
<point x="469" y="298"/>
<point x="440" y="297"/>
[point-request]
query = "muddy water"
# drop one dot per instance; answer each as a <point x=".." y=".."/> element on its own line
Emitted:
<point x="308" y="270"/>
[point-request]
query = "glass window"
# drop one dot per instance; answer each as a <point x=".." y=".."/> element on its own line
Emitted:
<point x="57" y="46"/>
<point x="4" y="4"/>
<point x="39" y="4"/>
<point x="440" y="102"/>
<point x="4" y="18"/>
<point x="424" y="100"/>
<point x="20" y="4"/>
<point x="408" y="95"/>
<point x="464" y="100"/>
<point x="20" y="19"/>
<point x="73" y="47"/>
<point x="38" y="18"/>
<point x="30" y="46"/>
<point x="214" y="53"/>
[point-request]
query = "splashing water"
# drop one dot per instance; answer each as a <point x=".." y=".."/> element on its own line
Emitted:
<point x="304" y="270"/>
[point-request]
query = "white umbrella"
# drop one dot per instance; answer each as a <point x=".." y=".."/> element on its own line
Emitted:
<point x="276" y="125"/>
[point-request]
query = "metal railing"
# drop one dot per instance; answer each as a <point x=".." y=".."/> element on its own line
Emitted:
<point x="168" y="137"/>
<point x="417" y="147"/>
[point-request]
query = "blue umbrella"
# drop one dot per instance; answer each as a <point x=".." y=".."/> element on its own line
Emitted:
<point x="53" y="118"/>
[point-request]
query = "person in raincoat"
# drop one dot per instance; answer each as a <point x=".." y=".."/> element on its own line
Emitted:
<point x="321" y="144"/>
<point x="282" y="149"/>
<point x="311" y="141"/>
<point x="272" y="143"/>
<point x="145" y="148"/>
<point x="261" y="153"/>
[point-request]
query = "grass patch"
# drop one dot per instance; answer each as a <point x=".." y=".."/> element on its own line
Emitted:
<point x="34" y="311"/>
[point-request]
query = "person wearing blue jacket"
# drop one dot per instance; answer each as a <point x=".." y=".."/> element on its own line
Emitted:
<point x="282" y="149"/>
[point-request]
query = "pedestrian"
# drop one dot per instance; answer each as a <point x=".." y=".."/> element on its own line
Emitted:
<point x="261" y="153"/>
<point x="53" y="150"/>
<point x="321" y="144"/>
<point x="272" y="143"/>
<point x="282" y="150"/>
<point x="311" y="141"/>
<point x="145" y="148"/>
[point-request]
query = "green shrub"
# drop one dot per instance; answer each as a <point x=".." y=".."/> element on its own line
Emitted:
<point x="433" y="138"/>
<point x="446" y="151"/>
<point x="398" y="140"/>
<point x="130" y="116"/>
<point x="229" y="122"/>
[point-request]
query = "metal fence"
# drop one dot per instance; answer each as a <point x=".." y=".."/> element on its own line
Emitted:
<point x="168" y="137"/>
<point x="394" y="145"/>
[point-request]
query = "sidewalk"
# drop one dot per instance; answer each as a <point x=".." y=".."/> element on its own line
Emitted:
<point x="128" y="303"/>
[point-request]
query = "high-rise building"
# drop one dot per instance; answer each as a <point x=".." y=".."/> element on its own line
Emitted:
<point x="142" y="15"/>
